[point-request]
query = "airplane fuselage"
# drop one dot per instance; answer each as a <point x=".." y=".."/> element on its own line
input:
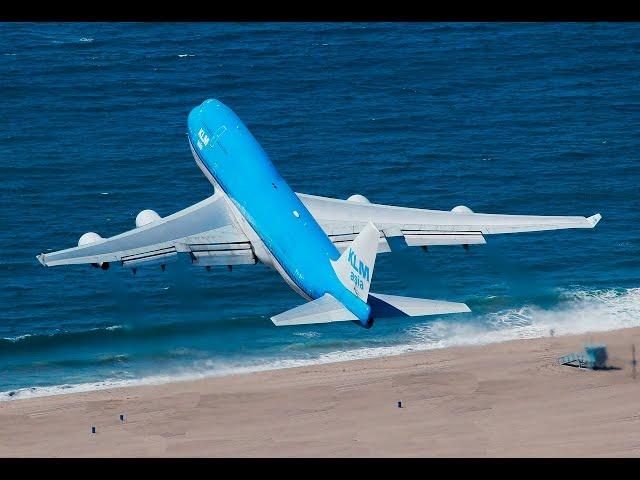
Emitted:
<point x="290" y="239"/>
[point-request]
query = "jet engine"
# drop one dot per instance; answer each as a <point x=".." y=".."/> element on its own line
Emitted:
<point x="461" y="209"/>
<point x="358" y="198"/>
<point x="145" y="217"/>
<point x="92" y="237"/>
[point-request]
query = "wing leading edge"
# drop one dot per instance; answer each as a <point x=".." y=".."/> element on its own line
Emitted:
<point x="206" y="231"/>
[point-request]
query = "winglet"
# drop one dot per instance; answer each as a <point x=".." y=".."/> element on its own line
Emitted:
<point x="594" y="219"/>
<point x="41" y="259"/>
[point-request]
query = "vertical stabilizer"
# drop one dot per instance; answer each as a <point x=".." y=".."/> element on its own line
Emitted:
<point x="354" y="268"/>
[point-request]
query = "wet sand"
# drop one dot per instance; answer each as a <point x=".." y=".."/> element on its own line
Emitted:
<point x="507" y="399"/>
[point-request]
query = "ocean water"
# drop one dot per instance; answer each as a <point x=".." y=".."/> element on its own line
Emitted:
<point x="504" y="118"/>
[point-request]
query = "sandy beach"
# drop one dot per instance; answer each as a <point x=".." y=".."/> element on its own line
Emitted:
<point x="506" y="399"/>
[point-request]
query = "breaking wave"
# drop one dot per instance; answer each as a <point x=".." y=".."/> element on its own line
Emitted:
<point x="577" y="312"/>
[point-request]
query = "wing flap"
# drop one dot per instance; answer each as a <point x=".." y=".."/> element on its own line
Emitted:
<point x="153" y="257"/>
<point x="416" y="238"/>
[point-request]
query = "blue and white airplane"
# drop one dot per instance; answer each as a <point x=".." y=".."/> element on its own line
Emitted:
<point x="324" y="248"/>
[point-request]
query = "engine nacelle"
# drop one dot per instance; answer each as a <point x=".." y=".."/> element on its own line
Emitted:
<point x="358" y="198"/>
<point x="145" y="217"/>
<point x="92" y="237"/>
<point x="461" y="209"/>
<point x="87" y="238"/>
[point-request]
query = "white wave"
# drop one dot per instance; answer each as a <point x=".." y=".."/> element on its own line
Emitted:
<point x="182" y="55"/>
<point x="307" y="334"/>
<point x="86" y="40"/>
<point x="579" y="312"/>
<point x="17" y="338"/>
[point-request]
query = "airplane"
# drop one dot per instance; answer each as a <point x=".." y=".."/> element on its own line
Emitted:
<point x="324" y="248"/>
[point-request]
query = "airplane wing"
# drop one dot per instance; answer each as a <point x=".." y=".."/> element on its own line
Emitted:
<point x="206" y="231"/>
<point x="342" y="220"/>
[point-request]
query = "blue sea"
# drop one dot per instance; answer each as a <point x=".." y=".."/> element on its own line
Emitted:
<point x="504" y="118"/>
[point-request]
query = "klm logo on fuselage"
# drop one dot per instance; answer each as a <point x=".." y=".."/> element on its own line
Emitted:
<point x="204" y="139"/>
<point x="203" y="136"/>
<point x="358" y="265"/>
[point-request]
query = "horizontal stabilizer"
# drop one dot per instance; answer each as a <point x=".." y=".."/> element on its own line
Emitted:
<point x="397" y="306"/>
<point x="325" y="309"/>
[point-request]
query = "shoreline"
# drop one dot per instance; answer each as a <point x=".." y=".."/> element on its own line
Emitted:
<point x="327" y="358"/>
<point x="499" y="399"/>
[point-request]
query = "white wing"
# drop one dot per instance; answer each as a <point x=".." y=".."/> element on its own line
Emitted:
<point x="343" y="219"/>
<point x="206" y="231"/>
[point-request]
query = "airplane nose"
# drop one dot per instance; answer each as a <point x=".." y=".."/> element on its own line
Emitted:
<point x="211" y="104"/>
<point x="211" y="113"/>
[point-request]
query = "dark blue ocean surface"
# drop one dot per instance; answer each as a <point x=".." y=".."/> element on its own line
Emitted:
<point x="504" y="118"/>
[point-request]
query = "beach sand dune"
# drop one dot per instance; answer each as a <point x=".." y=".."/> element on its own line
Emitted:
<point x="507" y="399"/>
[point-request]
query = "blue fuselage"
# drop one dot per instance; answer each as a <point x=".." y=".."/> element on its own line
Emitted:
<point x="239" y="165"/>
